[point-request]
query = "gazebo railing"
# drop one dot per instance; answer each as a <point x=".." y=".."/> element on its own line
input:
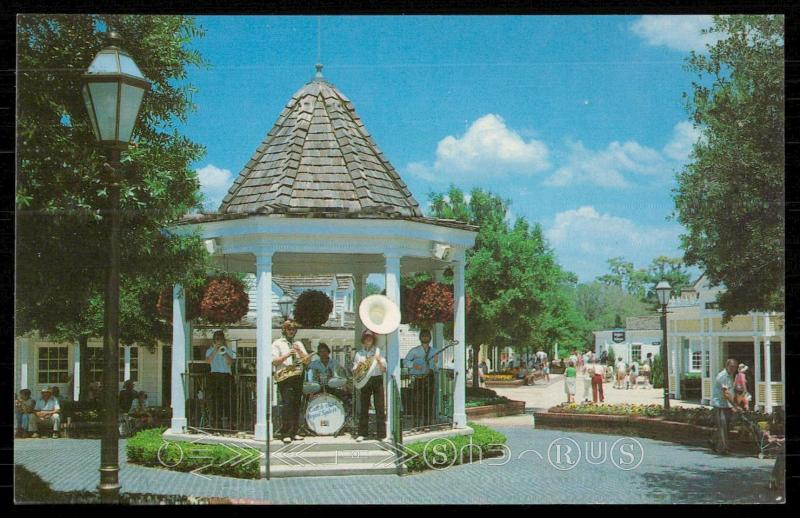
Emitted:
<point x="427" y="403"/>
<point x="234" y="412"/>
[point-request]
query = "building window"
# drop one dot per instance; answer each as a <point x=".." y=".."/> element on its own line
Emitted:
<point x="96" y="364"/>
<point x="697" y="360"/>
<point x="707" y="373"/>
<point x="54" y="364"/>
<point x="636" y="353"/>
<point x="134" y="363"/>
<point x="246" y="360"/>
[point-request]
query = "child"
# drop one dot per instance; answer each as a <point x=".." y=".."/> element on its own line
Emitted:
<point x="570" y="375"/>
<point x="740" y="394"/>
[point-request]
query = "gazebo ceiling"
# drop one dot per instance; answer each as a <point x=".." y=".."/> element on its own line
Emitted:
<point x="319" y="157"/>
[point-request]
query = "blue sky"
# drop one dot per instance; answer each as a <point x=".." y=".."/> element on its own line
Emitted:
<point x="579" y="120"/>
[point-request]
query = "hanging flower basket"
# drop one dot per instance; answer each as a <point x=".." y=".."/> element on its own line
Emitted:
<point x="433" y="302"/>
<point x="312" y="308"/>
<point x="164" y="304"/>
<point x="224" y="301"/>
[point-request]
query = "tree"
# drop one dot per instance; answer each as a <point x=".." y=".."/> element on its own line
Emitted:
<point x="512" y="276"/>
<point x="62" y="229"/>
<point x="671" y="269"/>
<point x="730" y="195"/>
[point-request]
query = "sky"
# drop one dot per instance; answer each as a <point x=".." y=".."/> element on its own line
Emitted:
<point x="578" y="120"/>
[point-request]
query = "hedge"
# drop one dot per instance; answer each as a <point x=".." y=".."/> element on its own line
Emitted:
<point x="148" y="448"/>
<point x="456" y="450"/>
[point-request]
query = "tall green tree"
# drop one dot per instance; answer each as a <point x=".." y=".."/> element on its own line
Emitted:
<point x="511" y="273"/>
<point x="730" y="195"/>
<point x="62" y="231"/>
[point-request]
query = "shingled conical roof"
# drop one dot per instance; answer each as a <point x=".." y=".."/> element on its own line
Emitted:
<point x="319" y="158"/>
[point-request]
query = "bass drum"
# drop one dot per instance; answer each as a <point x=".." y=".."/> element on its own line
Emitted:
<point x="325" y="414"/>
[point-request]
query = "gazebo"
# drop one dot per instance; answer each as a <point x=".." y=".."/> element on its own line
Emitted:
<point x="319" y="197"/>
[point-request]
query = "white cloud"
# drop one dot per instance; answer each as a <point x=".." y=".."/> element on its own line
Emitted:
<point x="684" y="135"/>
<point x="677" y="32"/>
<point x="584" y="239"/>
<point x="607" y="167"/>
<point x="488" y="148"/>
<point x="214" y="183"/>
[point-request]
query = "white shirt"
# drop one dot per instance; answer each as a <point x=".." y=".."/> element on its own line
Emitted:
<point x="416" y="357"/>
<point x="362" y="355"/>
<point x="280" y="347"/>
<point x="620" y="366"/>
<point x="722" y="382"/>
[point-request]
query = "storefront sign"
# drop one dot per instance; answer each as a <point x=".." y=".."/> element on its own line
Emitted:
<point x="618" y="336"/>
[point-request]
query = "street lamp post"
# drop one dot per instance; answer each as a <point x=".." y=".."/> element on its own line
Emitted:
<point x="663" y="290"/>
<point x="285" y="303"/>
<point x="113" y="90"/>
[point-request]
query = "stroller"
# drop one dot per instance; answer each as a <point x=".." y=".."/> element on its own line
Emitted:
<point x="766" y="443"/>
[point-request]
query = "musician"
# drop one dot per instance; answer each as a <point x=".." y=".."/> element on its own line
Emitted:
<point x="286" y="352"/>
<point x="373" y="388"/>
<point x="220" y="380"/>
<point x="421" y="362"/>
<point x="325" y="367"/>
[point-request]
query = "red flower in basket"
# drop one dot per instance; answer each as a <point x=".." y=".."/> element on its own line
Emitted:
<point x="224" y="301"/>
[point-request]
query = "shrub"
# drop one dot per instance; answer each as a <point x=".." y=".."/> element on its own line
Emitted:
<point x="149" y="448"/>
<point x="657" y="372"/>
<point x="456" y="450"/>
<point x="312" y="308"/>
<point x="480" y="392"/>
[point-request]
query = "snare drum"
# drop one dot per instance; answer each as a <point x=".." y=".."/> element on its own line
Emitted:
<point x="325" y="414"/>
<point x="311" y="387"/>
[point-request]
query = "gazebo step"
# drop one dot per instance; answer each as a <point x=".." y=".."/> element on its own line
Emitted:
<point x="333" y="457"/>
<point x="283" y="471"/>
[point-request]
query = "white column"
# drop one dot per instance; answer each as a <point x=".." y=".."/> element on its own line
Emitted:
<point x="263" y="428"/>
<point x="767" y="367"/>
<point x="459" y="334"/>
<point x="392" y="352"/>
<point x="359" y="290"/>
<point x="180" y="343"/>
<point x="438" y="329"/>
<point x="24" y="354"/>
<point x="76" y="371"/>
<point x="127" y="360"/>
<point x="757" y="372"/>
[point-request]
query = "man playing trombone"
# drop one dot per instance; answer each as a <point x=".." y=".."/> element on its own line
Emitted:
<point x="288" y="355"/>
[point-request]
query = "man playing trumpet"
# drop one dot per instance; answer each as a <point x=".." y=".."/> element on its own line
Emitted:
<point x="220" y="380"/>
<point x="287" y="353"/>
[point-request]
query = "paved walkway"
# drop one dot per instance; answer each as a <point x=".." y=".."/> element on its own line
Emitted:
<point x="668" y="473"/>
<point x="543" y="396"/>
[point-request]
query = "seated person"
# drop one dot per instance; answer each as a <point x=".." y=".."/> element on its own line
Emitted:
<point x="126" y="396"/>
<point x="47" y="412"/>
<point x="139" y="412"/>
<point x="23" y="409"/>
<point x="326" y="367"/>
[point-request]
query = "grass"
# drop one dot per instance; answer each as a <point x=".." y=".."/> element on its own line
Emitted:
<point x="442" y="453"/>
<point x="148" y="448"/>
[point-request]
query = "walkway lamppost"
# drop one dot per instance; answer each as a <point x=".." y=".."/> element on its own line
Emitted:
<point x="285" y="304"/>
<point x="113" y="90"/>
<point x="663" y="290"/>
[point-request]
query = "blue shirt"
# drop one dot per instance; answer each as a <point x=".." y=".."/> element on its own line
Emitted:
<point x="218" y="364"/>
<point x="417" y="357"/>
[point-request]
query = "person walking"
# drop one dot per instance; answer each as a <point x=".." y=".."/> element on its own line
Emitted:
<point x="598" y="374"/>
<point x="621" y="371"/>
<point x="570" y="375"/>
<point x="724" y="405"/>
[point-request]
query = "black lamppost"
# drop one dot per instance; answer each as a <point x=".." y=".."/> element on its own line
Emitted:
<point x="285" y="304"/>
<point x="663" y="290"/>
<point x="113" y="90"/>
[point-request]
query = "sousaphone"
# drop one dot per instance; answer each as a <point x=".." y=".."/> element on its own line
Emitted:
<point x="380" y="315"/>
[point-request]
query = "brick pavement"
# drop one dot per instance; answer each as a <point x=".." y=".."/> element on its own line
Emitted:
<point x="668" y="474"/>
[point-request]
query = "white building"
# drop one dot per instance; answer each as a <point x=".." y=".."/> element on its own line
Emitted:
<point x="640" y="336"/>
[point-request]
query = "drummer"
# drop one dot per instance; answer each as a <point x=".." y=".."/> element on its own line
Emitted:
<point x="324" y="368"/>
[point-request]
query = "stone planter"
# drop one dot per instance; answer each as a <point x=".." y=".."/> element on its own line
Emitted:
<point x="649" y="427"/>
<point x="510" y="408"/>
<point x="505" y="383"/>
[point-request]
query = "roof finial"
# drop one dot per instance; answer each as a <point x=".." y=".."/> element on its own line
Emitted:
<point x="319" y="71"/>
